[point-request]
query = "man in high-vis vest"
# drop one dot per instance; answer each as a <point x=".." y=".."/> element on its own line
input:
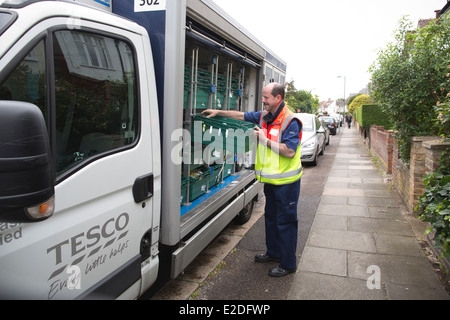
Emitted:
<point x="278" y="165"/>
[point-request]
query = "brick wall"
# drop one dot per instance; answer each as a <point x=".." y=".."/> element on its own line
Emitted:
<point x="400" y="174"/>
<point x="408" y="180"/>
<point x="381" y="144"/>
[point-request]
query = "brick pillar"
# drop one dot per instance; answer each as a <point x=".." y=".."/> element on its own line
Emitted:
<point x="433" y="153"/>
<point x="417" y="170"/>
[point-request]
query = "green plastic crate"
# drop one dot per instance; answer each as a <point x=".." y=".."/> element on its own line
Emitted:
<point x="197" y="162"/>
<point x="217" y="128"/>
<point x="198" y="185"/>
<point x="215" y="175"/>
<point x="184" y="183"/>
<point x="204" y="89"/>
<point x="228" y="170"/>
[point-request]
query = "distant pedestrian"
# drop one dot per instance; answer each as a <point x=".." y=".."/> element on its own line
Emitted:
<point x="349" y="119"/>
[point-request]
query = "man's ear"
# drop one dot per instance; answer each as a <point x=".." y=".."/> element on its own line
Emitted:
<point x="279" y="99"/>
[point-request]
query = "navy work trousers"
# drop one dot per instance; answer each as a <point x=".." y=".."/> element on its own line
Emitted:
<point x="282" y="222"/>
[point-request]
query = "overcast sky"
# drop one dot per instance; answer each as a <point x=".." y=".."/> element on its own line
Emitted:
<point x="323" y="39"/>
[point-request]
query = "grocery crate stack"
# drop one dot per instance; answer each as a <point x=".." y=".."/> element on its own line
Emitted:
<point x="206" y="89"/>
<point x="214" y="152"/>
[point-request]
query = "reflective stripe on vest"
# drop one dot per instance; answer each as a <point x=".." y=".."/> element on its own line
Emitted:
<point x="279" y="175"/>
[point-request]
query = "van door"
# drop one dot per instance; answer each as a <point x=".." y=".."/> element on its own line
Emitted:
<point x="86" y="82"/>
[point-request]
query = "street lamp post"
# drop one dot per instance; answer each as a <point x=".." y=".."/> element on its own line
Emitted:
<point x="345" y="84"/>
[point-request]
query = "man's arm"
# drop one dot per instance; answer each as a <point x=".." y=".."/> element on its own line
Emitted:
<point x="279" y="148"/>
<point x="236" y="115"/>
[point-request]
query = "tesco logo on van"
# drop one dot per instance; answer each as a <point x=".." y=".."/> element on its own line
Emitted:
<point x="90" y="239"/>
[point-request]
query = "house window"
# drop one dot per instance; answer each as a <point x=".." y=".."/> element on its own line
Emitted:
<point x="276" y="77"/>
<point x="91" y="50"/>
<point x="268" y="75"/>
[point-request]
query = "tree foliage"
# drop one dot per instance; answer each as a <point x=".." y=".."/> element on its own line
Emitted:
<point x="411" y="81"/>
<point x="351" y="98"/>
<point x="300" y="99"/>
<point x="359" y="101"/>
<point x="368" y="114"/>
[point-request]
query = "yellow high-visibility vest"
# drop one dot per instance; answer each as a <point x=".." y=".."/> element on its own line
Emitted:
<point x="271" y="167"/>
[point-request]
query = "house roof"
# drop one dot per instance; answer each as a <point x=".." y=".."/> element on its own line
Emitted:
<point x="423" y="23"/>
<point x="446" y="8"/>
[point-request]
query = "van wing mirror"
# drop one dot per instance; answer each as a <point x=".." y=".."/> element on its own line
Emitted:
<point x="26" y="171"/>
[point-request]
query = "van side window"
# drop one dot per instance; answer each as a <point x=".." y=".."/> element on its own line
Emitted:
<point x="96" y="99"/>
<point x="28" y="81"/>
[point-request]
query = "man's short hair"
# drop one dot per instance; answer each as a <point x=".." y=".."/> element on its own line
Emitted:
<point x="278" y="89"/>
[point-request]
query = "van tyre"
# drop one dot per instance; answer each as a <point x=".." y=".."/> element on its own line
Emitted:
<point x="244" y="216"/>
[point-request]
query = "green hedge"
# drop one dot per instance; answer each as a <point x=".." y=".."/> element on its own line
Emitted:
<point x="370" y="114"/>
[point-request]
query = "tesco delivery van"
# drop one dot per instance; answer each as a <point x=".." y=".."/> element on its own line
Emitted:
<point x="110" y="179"/>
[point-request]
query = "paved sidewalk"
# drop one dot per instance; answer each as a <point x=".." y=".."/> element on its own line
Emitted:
<point x="361" y="238"/>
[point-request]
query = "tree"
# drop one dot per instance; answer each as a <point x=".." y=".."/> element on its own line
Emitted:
<point x="411" y="80"/>
<point x="359" y="101"/>
<point x="350" y="99"/>
<point x="300" y="99"/>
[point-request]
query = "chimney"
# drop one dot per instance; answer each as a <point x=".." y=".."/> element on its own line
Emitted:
<point x="438" y="13"/>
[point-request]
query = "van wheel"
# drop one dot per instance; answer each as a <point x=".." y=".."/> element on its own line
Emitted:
<point x="244" y="216"/>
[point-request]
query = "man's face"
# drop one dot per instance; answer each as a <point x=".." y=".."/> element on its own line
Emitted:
<point x="270" y="102"/>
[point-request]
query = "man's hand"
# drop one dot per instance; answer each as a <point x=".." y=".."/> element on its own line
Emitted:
<point x="276" y="147"/>
<point x="210" y="113"/>
<point x="260" y="135"/>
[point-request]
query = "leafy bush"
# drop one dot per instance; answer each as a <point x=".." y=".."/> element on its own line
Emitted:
<point x="370" y="114"/>
<point x="443" y="119"/>
<point x="359" y="101"/>
<point x="434" y="205"/>
<point x="350" y="99"/>
<point x="411" y="77"/>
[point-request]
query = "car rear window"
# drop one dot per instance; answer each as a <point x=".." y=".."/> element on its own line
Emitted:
<point x="307" y="123"/>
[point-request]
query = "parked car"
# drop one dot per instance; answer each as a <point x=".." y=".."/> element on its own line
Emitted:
<point x="313" y="138"/>
<point x="327" y="131"/>
<point x="331" y="124"/>
<point x="338" y="118"/>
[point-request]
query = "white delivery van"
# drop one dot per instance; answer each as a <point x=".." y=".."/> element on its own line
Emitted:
<point x="109" y="180"/>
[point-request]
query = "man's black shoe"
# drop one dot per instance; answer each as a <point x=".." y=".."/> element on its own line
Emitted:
<point x="280" y="272"/>
<point x="261" y="258"/>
